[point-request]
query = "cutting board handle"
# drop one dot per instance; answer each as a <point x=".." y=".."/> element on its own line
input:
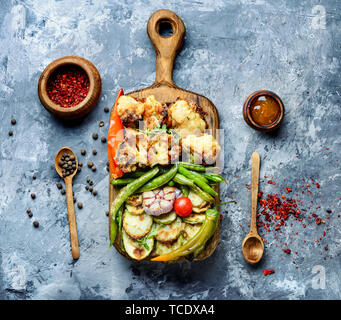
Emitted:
<point x="166" y="48"/>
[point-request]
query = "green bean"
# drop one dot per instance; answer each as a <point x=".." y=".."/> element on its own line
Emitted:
<point x="213" y="177"/>
<point x="163" y="170"/>
<point x="160" y="180"/>
<point x="114" y="226"/>
<point x="184" y="190"/>
<point x="197" y="167"/>
<point x="197" y="180"/>
<point x="171" y="183"/>
<point x="121" y="182"/>
<point x="135" y="174"/>
<point x="183" y="171"/>
<point x="119" y="225"/>
<point x="182" y="180"/>
<point x="130" y="188"/>
<point x="193" y="166"/>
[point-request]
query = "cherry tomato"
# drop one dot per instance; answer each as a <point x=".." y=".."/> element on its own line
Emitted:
<point x="183" y="206"/>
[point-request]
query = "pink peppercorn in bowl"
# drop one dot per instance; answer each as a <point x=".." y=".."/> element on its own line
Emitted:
<point x="70" y="87"/>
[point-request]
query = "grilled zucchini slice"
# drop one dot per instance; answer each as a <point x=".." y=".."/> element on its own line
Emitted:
<point x="197" y="201"/>
<point x="136" y="210"/>
<point x="170" y="232"/>
<point x="137" y="226"/>
<point x="190" y="230"/>
<point x="199" y="204"/>
<point x="166" y="247"/>
<point x="194" y="218"/>
<point x="200" y="210"/>
<point x="166" y="218"/>
<point x="135" y="200"/>
<point x="134" y="249"/>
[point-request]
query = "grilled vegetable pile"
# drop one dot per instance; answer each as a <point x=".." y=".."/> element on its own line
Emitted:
<point x="165" y="213"/>
<point x="165" y="208"/>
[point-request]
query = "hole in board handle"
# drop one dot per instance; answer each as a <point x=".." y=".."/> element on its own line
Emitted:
<point x="165" y="28"/>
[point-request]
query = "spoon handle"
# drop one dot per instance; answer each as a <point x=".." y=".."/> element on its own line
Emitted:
<point x="72" y="218"/>
<point x="255" y="163"/>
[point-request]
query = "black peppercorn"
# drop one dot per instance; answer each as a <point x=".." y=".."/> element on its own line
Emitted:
<point x="93" y="168"/>
<point x="101" y="123"/>
<point x="83" y="152"/>
<point x="106" y="109"/>
<point x="13" y="121"/>
<point x="90" y="164"/>
<point x="36" y="224"/>
<point x="94" y="152"/>
<point x="104" y="139"/>
<point x="33" y="196"/>
<point x="95" y="136"/>
<point x="10" y="133"/>
<point x="80" y="205"/>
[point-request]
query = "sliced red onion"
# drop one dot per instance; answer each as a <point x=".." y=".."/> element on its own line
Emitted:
<point x="159" y="201"/>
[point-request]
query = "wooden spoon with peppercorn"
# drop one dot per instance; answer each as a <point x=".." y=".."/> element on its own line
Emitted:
<point x="66" y="166"/>
<point x="253" y="246"/>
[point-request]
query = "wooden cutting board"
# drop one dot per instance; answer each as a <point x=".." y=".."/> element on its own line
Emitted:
<point x="166" y="91"/>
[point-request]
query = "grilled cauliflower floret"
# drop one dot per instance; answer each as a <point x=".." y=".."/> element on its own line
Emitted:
<point x="132" y="151"/>
<point x="184" y="118"/>
<point x="155" y="113"/>
<point x="130" y="111"/>
<point x="203" y="148"/>
<point x="158" y="149"/>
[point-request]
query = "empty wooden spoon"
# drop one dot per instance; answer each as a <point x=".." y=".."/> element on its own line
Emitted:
<point x="69" y="199"/>
<point x="253" y="246"/>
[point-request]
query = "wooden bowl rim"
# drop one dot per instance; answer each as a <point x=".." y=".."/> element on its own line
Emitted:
<point x="82" y="63"/>
<point x="248" y="117"/>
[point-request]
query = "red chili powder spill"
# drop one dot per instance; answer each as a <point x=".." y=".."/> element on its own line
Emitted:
<point x="68" y="86"/>
<point x="276" y="211"/>
<point x="267" y="272"/>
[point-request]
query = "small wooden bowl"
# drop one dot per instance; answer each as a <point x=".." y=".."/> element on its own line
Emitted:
<point x="81" y="109"/>
<point x="248" y="117"/>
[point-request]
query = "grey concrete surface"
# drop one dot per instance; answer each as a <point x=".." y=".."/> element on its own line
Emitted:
<point x="232" y="48"/>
